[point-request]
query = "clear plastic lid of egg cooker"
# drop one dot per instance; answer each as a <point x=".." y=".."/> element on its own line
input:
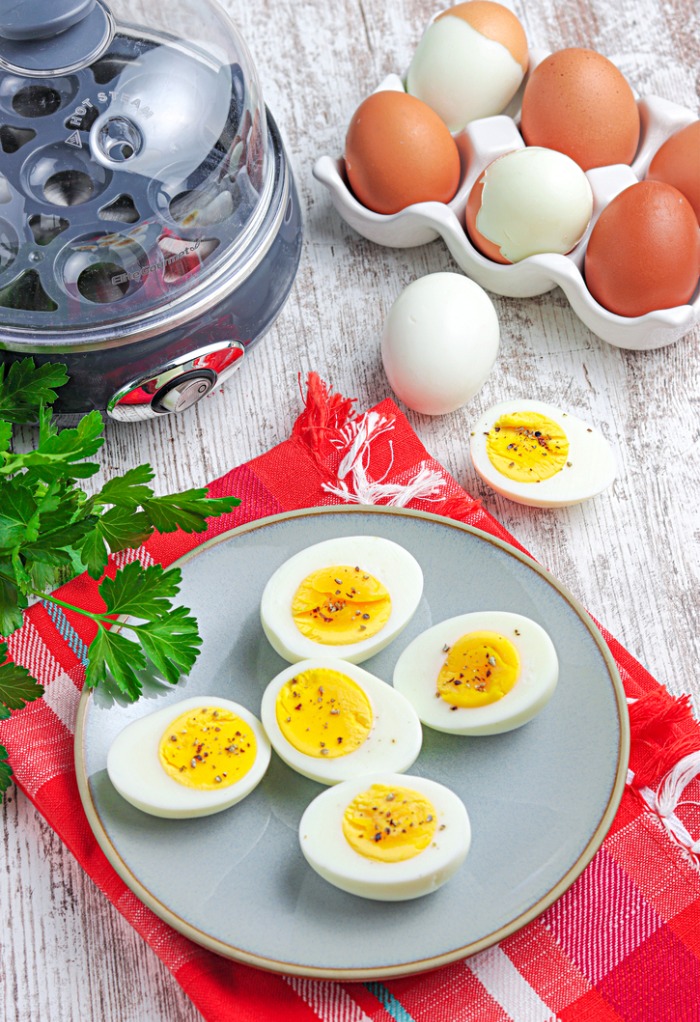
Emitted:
<point x="135" y="164"/>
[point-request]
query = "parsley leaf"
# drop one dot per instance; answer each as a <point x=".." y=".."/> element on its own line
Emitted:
<point x="187" y="511"/>
<point x="172" y="643"/>
<point x="142" y="592"/>
<point x="167" y="635"/>
<point x="17" y="686"/>
<point x="25" y="387"/>
<point x="111" y="651"/>
<point x="5" y="770"/>
<point x="5" y="435"/>
<point x="57" y="453"/>
<point x="12" y="600"/>
<point x="128" y="490"/>
<point x="50" y="529"/>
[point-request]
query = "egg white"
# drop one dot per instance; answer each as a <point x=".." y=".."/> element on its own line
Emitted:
<point x="325" y="848"/>
<point x="388" y="562"/>
<point x="590" y="469"/>
<point x="393" y="743"/>
<point x="418" y="667"/>
<point x="135" y="770"/>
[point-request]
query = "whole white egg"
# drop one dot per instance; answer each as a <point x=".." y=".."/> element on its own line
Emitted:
<point x="536" y="454"/>
<point x="192" y="758"/>
<point x="346" y="597"/>
<point x="388" y="837"/>
<point x="439" y="343"/>
<point x="331" y="720"/>
<point x="479" y="674"/>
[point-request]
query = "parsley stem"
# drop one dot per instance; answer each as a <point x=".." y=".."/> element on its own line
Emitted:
<point x="98" y="618"/>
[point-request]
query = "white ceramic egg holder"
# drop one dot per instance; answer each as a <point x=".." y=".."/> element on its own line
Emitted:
<point x="479" y="144"/>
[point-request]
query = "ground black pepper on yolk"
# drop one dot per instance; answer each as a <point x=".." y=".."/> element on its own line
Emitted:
<point x="389" y="824"/>
<point x="323" y="713"/>
<point x="480" y="668"/>
<point x="207" y="748"/>
<point x="527" y="447"/>
<point x="340" y="605"/>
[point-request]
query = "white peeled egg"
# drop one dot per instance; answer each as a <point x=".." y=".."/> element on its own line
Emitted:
<point x="536" y="454"/>
<point x="536" y="673"/>
<point x="331" y="720"/>
<point x="329" y="853"/>
<point x="439" y="343"/>
<point x="335" y="620"/>
<point x="469" y="63"/>
<point x="135" y="769"/>
<point x="529" y="201"/>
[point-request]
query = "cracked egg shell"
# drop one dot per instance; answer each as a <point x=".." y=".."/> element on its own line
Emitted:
<point x="469" y="62"/>
<point x="527" y="202"/>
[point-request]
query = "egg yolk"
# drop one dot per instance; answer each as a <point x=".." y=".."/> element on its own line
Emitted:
<point x="479" y="669"/>
<point x="340" y="605"/>
<point x="527" y="447"/>
<point x="323" y="713"/>
<point x="389" y="824"/>
<point x="207" y="748"/>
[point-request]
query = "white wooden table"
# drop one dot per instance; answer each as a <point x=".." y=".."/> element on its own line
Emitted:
<point x="631" y="556"/>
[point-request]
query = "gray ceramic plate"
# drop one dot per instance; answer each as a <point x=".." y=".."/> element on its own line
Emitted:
<point x="540" y="798"/>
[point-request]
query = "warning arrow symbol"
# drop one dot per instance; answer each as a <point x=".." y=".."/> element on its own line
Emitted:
<point x="74" y="140"/>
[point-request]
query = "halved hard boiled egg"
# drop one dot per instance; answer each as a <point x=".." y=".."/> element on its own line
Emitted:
<point x="384" y="836"/>
<point x="331" y="720"/>
<point x="193" y="758"/>
<point x="479" y="674"/>
<point x="536" y="454"/>
<point x="346" y="597"/>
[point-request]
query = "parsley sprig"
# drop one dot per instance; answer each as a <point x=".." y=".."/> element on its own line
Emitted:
<point x="52" y="529"/>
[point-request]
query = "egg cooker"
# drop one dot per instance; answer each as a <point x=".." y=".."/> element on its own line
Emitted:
<point x="150" y="229"/>
<point x="481" y="142"/>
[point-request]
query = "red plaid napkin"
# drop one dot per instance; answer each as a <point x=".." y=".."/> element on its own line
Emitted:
<point x="623" y="943"/>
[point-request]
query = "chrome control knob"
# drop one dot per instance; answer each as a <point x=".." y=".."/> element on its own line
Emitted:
<point x="178" y="385"/>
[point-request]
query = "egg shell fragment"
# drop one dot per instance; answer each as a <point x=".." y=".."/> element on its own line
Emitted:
<point x="439" y="343"/>
<point x="469" y="62"/>
<point x="418" y="667"/>
<point x="393" y="743"/>
<point x="135" y="770"/>
<point x="388" y="562"/>
<point x="325" y="849"/>
<point x="591" y="464"/>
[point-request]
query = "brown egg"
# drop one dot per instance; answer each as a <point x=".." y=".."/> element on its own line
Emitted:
<point x="578" y="102"/>
<point x="644" y="251"/>
<point x="677" y="163"/>
<point x="398" y="151"/>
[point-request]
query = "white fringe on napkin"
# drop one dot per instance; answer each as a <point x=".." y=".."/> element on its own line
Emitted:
<point x="668" y="797"/>
<point x="354" y="485"/>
